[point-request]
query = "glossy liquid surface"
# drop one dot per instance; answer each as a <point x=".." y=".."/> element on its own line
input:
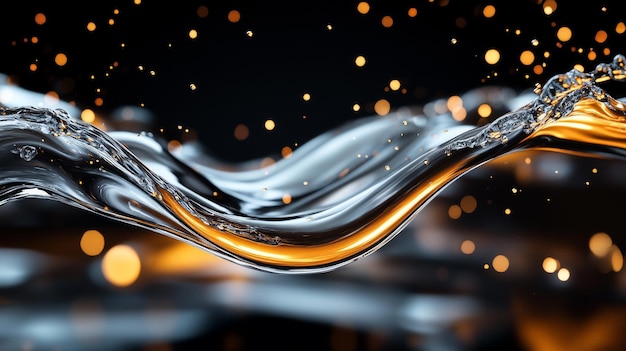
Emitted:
<point x="337" y="198"/>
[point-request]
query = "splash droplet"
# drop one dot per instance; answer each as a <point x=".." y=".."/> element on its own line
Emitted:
<point x="27" y="152"/>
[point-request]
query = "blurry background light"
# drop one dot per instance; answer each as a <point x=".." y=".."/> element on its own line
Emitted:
<point x="121" y="265"/>
<point x="600" y="244"/>
<point x="92" y="242"/>
<point x="18" y="265"/>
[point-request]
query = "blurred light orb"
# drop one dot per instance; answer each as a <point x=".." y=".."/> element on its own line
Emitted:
<point x="468" y="247"/>
<point x="382" y="107"/>
<point x="563" y="274"/>
<point x="88" y="115"/>
<point x="600" y="244"/>
<point x="270" y="124"/>
<point x="92" y="242"/>
<point x="500" y="263"/>
<point x="121" y="265"/>
<point x="550" y="265"/>
<point x="492" y="56"/>
<point x="60" y="59"/>
<point x="489" y="11"/>
<point x="360" y="61"/>
<point x="363" y="7"/>
<point x="564" y="34"/>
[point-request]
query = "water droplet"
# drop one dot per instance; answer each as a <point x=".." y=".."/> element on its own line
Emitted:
<point x="27" y="152"/>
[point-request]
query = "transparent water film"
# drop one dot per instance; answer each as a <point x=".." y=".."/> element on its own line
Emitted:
<point x="337" y="198"/>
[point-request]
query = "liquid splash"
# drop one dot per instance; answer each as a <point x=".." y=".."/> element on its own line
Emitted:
<point x="339" y="197"/>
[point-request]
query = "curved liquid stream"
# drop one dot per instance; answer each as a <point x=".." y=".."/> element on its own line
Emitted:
<point x="350" y="190"/>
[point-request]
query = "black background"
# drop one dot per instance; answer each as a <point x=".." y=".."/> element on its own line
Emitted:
<point x="247" y="80"/>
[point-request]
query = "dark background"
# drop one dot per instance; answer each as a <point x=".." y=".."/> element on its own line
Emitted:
<point x="246" y="80"/>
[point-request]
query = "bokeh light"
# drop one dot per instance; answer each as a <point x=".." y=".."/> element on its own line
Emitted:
<point x="382" y="107"/>
<point x="270" y="124"/>
<point x="92" y="242"/>
<point x="600" y="244"/>
<point x="550" y="265"/>
<point x="234" y="16"/>
<point x="500" y="263"/>
<point x="363" y="7"/>
<point x="492" y="56"/>
<point x="468" y="247"/>
<point x="121" y="265"/>
<point x="360" y="61"/>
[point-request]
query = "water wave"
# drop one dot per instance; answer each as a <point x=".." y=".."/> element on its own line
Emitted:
<point x="337" y="198"/>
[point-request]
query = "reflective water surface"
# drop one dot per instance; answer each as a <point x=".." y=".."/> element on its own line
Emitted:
<point x="499" y="235"/>
<point x="341" y="197"/>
